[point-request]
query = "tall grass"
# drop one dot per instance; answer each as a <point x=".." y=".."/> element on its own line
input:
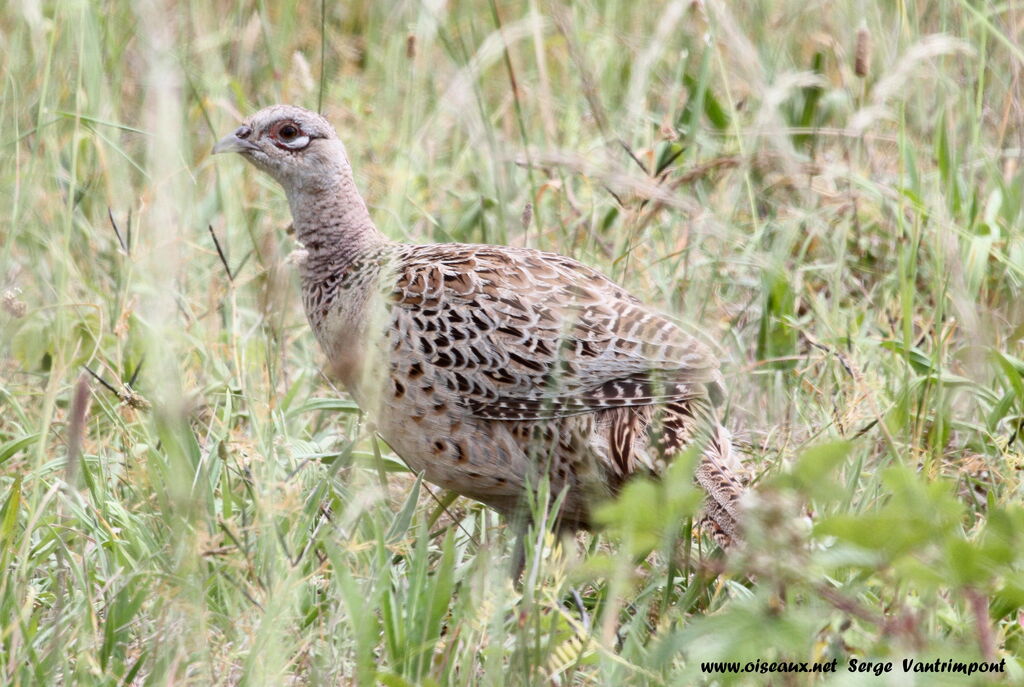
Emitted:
<point x="843" y="224"/>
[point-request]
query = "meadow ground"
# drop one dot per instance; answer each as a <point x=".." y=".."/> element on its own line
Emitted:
<point x="829" y="192"/>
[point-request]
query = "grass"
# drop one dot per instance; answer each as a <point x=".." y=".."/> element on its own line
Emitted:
<point x="218" y="513"/>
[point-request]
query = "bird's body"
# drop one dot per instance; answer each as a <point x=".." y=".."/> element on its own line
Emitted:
<point x="487" y="368"/>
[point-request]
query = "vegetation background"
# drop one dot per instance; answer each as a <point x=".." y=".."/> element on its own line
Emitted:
<point x="829" y="192"/>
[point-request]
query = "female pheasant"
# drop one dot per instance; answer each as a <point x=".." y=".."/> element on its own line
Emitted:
<point x="488" y="367"/>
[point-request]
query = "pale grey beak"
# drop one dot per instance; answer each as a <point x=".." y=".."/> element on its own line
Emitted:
<point x="235" y="142"/>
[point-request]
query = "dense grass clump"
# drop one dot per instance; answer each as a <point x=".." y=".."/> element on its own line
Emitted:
<point x="829" y="193"/>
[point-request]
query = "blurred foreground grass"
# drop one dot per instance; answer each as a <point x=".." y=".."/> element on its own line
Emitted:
<point x="829" y="192"/>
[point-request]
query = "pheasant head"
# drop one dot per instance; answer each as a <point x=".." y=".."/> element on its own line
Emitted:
<point x="302" y="152"/>
<point x="298" y="148"/>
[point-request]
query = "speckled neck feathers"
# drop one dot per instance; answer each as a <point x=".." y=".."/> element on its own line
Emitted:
<point x="331" y="221"/>
<point x="339" y="239"/>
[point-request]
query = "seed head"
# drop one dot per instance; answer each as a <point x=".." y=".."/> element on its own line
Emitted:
<point x="862" y="53"/>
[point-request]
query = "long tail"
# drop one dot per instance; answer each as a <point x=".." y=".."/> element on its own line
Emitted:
<point x="722" y="509"/>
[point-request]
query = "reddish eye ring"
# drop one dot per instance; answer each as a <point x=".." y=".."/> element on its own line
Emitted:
<point x="288" y="135"/>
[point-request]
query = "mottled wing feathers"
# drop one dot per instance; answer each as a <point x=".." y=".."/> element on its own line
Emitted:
<point x="641" y="390"/>
<point x="519" y="334"/>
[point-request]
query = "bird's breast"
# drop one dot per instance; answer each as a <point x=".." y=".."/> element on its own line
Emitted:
<point x="350" y="327"/>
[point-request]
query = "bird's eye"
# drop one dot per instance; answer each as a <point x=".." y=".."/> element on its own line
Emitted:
<point x="287" y="135"/>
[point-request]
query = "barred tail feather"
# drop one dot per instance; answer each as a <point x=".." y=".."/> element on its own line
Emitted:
<point x="718" y="478"/>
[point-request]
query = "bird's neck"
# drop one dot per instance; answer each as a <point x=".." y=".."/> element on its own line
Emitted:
<point x="333" y="224"/>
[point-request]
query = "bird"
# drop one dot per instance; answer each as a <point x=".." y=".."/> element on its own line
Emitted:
<point x="489" y="368"/>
